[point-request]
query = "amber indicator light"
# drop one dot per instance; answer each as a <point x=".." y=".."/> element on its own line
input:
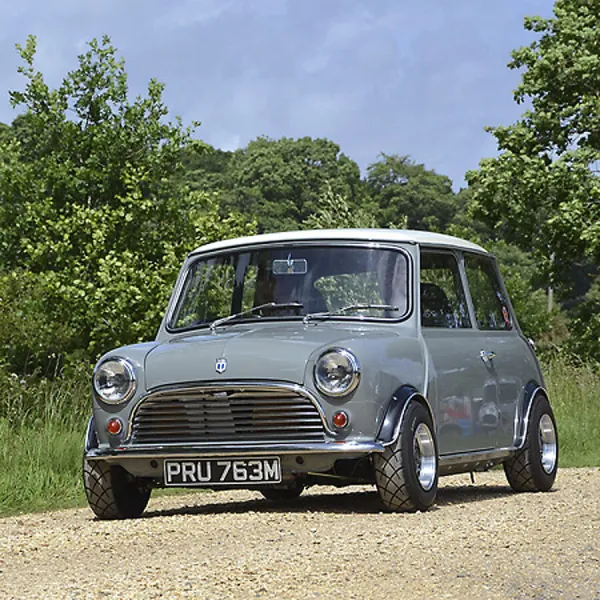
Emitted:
<point x="114" y="426"/>
<point x="340" y="419"/>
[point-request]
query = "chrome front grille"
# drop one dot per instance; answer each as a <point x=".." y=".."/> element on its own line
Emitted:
<point x="276" y="414"/>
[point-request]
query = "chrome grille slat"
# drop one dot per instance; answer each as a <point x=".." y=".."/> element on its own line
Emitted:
<point x="158" y="423"/>
<point x="239" y="423"/>
<point x="217" y="403"/>
<point x="225" y="405"/>
<point x="217" y="439"/>
<point x="227" y="414"/>
<point x="268" y="395"/>
<point x="305" y="411"/>
<point x="239" y="418"/>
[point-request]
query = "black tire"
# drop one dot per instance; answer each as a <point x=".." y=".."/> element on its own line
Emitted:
<point x="525" y="470"/>
<point x="112" y="492"/>
<point x="396" y="469"/>
<point x="282" y="494"/>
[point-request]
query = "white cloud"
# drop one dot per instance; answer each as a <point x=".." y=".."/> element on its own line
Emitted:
<point x="399" y="77"/>
<point x="192" y="12"/>
<point x="226" y="140"/>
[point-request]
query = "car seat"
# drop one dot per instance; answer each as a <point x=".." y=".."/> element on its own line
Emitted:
<point x="435" y="307"/>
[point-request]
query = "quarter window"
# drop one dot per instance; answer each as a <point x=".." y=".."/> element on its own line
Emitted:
<point x="489" y="301"/>
<point x="443" y="301"/>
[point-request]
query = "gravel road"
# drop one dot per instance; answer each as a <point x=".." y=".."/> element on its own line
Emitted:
<point x="479" y="541"/>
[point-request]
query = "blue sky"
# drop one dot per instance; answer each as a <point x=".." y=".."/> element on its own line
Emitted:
<point x="418" y="78"/>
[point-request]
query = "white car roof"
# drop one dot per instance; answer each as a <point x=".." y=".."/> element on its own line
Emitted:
<point x="423" y="238"/>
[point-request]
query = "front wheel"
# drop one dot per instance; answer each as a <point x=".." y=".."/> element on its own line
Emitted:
<point x="112" y="492"/>
<point x="406" y="473"/>
<point x="534" y="467"/>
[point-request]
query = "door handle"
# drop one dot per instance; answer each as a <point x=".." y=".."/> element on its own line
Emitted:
<point x="487" y="356"/>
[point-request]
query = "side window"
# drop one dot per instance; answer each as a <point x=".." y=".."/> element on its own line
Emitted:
<point x="491" y="308"/>
<point x="443" y="301"/>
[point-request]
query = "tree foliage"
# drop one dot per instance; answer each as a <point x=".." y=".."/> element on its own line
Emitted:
<point x="206" y="168"/>
<point x="402" y="188"/>
<point x="101" y="196"/>
<point x="543" y="191"/>
<point x="280" y="182"/>
<point x="5" y="132"/>
<point x="334" y="212"/>
<point x="93" y="221"/>
<point x="585" y="326"/>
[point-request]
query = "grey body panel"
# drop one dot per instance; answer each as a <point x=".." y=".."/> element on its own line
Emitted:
<point x="462" y="390"/>
<point x="271" y="350"/>
<point x="512" y="367"/>
<point x="259" y="354"/>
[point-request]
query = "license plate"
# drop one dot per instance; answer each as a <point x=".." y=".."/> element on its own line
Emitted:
<point x="217" y="471"/>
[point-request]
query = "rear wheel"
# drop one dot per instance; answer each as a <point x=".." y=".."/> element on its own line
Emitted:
<point x="112" y="492"/>
<point x="406" y="473"/>
<point x="534" y="468"/>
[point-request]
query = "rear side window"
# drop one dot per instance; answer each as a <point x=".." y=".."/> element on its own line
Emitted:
<point x="489" y="301"/>
<point x="443" y="303"/>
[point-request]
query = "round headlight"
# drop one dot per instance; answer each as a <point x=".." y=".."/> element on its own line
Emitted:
<point x="337" y="372"/>
<point x="114" y="380"/>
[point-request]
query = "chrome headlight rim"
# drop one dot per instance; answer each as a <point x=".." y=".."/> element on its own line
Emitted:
<point x="355" y="365"/>
<point x="128" y="368"/>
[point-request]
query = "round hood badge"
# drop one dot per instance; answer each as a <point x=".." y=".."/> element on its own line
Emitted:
<point x="221" y="365"/>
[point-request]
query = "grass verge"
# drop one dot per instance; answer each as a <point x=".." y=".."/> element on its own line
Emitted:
<point x="575" y="397"/>
<point x="41" y="467"/>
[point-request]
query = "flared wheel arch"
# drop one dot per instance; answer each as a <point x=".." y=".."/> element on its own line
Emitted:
<point x="533" y="390"/>
<point x="391" y="426"/>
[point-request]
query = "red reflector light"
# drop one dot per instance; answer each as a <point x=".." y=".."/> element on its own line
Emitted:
<point x="340" y="419"/>
<point x="114" y="426"/>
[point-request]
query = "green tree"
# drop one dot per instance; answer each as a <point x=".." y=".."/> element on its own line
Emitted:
<point x="543" y="191"/>
<point x="585" y="326"/>
<point x="280" y="182"/>
<point x="93" y="220"/>
<point x="464" y="225"/>
<point x="206" y="168"/>
<point x="334" y="212"/>
<point x="402" y="188"/>
<point x="5" y="132"/>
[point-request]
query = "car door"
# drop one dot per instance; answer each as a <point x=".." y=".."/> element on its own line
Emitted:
<point x="504" y="350"/>
<point x="459" y="382"/>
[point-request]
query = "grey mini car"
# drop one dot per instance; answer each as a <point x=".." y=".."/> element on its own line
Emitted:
<point x="332" y="357"/>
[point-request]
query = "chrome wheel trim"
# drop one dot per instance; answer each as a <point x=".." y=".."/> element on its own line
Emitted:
<point x="425" y="459"/>
<point x="548" y="444"/>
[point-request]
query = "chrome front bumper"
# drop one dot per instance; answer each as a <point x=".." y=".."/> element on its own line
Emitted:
<point x="343" y="449"/>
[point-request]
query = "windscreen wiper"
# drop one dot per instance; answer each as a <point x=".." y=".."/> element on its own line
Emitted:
<point x="331" y="313"/>
<point x="253" y="310"/>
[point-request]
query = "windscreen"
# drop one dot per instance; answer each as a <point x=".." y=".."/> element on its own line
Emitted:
<point x="298" y="280"/>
